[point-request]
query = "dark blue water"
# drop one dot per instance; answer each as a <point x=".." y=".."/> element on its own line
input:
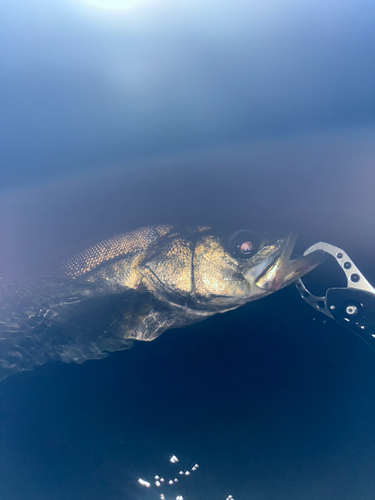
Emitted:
<point x="270" y="402"/>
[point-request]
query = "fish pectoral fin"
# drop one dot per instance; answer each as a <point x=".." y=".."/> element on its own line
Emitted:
<point x="116" y="320"/>
<point x="108" y="316"/>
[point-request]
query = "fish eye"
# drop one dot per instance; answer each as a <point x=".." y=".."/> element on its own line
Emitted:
<point x="244" y="244"/>
<point x="246" y="247"/>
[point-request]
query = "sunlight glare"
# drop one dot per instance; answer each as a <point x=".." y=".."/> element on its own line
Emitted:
<point x="116" y="5"/>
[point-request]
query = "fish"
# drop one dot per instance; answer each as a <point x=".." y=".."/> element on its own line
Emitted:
<point x="135" y="286"/>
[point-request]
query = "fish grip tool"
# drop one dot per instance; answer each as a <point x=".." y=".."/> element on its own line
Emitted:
<point x="352" y="306"/>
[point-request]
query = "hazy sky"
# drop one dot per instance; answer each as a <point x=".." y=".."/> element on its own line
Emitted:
<point x="83" y="85"/>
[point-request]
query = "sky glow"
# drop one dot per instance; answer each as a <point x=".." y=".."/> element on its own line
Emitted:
<point x="116" y="5"/>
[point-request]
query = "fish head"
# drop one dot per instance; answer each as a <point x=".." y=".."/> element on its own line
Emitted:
<point x="214" y="269"/>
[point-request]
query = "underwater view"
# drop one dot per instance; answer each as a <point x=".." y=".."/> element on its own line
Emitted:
<point x="187" y="241"/>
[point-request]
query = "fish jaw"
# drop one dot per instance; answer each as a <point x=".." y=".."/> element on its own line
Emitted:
<point x="272" y="280"/>
<point x="303" y="265"/>
<point x="281" y="271"/>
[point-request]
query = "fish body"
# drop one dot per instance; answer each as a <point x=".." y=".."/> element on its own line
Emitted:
<point x="135" y="286"/>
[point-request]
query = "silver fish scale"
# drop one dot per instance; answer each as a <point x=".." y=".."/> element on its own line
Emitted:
<point x="112" y="248"/>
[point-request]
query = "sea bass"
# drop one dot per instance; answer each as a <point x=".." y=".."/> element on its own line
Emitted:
<point x="135" y="286"/>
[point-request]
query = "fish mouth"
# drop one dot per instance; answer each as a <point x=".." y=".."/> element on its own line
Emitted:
<point x="280" y="271"/>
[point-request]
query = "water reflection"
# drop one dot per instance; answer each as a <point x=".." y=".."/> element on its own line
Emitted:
<point x="162" y="483"/>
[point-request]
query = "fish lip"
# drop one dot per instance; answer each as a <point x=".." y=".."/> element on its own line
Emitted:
<point x="272" y="278"/>
<point x="281" y="271"/>
<point x="303" y="265"/>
